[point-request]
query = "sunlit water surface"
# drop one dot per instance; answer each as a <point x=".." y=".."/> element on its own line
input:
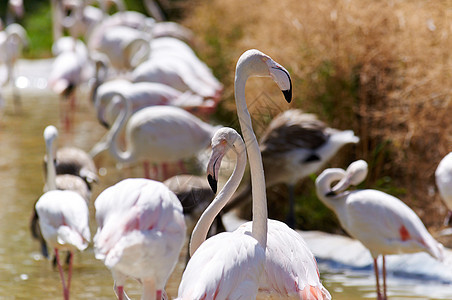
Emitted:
<point x="25" y="274"/>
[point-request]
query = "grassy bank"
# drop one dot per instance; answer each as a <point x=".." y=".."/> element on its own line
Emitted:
<point x="380" y="68"/>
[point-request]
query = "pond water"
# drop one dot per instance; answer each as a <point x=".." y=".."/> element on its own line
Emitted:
<point x="25" y="274"/>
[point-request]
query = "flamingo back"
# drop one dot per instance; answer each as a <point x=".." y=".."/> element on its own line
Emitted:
<point x="63" y="219"/>
<point x="141" y="229"/>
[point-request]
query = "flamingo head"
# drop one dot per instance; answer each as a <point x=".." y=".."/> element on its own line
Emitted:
<point x="255" y="63"/>
<point x="354" y="175"/>
<point x="222" y="141"/>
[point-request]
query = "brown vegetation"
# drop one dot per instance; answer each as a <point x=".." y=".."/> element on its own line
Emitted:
<point x="381" y="68"/>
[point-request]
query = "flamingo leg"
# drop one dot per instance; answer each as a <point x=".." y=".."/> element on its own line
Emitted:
<point x="120" y="291"/>
<point x="291" y="214"/>
<point x="159" y="295"/>
<point x="60" y="269"/>
<point x="69" y="275"/>
<point x="377" y="279"/>
<point x="384" y="279"/>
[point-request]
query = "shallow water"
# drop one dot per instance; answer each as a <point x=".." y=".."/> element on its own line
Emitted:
<point x="25" y="274"/>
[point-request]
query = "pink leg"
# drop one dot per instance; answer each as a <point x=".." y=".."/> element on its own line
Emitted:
<point x="377" y="279"/>
<point x="384" y="279"/>
<point x="60" y="269"/>
<point x="69" y="275"/>
<point x="159" y="295"/>
<point x="120" y="290"/>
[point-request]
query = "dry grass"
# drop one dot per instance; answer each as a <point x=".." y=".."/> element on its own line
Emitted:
<point x="381" y="68"/>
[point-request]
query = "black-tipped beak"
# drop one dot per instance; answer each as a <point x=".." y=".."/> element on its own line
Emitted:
<point x="213" y="183"/>
<point x="330" y="194"/>
<point x="288" y="95"/>
<point x="105" y="124"/>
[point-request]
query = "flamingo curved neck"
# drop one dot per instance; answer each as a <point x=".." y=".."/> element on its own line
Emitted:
<point x="323" y="187"/>
<point x="201" y="229"/>
<point x="259" y="227"/>
<point x="50" y="165"/>
<point x="112" y="136"/>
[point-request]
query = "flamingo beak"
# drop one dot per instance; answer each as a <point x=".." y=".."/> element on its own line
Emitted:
<point x="213" y="167"/>
<point x="282" y="78"/>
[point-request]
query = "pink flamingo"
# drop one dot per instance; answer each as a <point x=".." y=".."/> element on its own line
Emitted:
<point x="141" y="231"/>
<point x="384" y="224"/>
<point x="63" y="221"/>
<point x="443" y="176"/>
<point x="155" y="134"/>
<point x="278" y="276"/>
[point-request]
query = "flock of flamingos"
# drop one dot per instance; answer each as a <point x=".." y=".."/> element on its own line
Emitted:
<point x="151" y="91"/>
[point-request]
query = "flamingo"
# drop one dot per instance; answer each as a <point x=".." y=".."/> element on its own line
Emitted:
<point x="124" y="46"/>
<point x="443" y="176"/>
<point x="63" y="220"/>
<point x="15" y="11"/>
<point x="67" y="160"/>
<point x="172" y="62"/>
<point x="61" y="216"/>
<point x="66" y="75"/>
<point x="295" y="145"/>
<point x="155" y="133"/>
<point x="12" y="41"/>
<point x="141" y="231"/>
<point x="141" y="95"/>
<point x="280" y="237"/>
<point x="229" y="264"/>
<point x="382" y="223"/>
<point x="70" y="169"/>
<point x="294" y="279"/>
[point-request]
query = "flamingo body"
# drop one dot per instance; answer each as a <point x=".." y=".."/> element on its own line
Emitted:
<point x="443" y="176"/>
<point x="63" y="219"/>
<point x="141" y="231"/>
<point x="382" y="223"/>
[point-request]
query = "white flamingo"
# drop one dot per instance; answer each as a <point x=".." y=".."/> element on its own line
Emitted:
<point x="63" y="220"/>
<point x="443" y="176"/>
<point x="66" y="75"/>
<point x="70" y="169"/>
<point x="154" y="134"/>
<point x="279" y="277"/>
<point x="124" y="46"/>
<point x="293" y="146"/>
<point x="141" y="95"/>
<point x="294" y="279"/>
<point x="12" y="41"/>
<point x="61" y="214"/>
<point x="141" y="231"/>
<point x="382" y="223"/>
<point x="172" y="62"/>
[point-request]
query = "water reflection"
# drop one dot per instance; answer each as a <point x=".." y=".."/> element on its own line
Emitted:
<point x="25" y="274"/>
